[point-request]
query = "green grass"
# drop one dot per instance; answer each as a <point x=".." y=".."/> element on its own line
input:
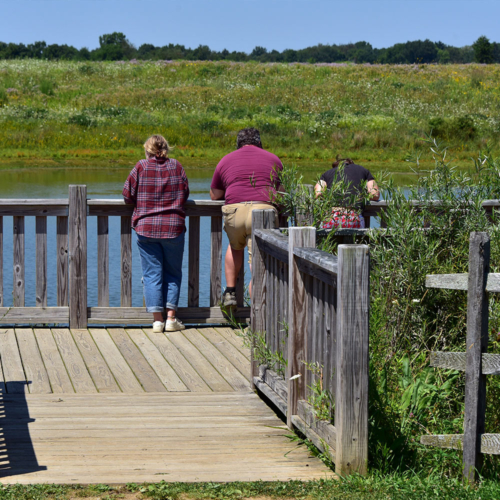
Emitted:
<point x="375" y="487"/>
<point x="65" y="113"/>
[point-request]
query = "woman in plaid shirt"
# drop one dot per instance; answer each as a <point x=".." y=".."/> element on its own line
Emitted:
<point x="158" y="187"/>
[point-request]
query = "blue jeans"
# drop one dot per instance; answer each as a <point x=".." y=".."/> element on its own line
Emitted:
<point x="161" y="260"/>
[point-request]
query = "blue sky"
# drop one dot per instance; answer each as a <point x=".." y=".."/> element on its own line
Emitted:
<point x="243" y="24"/>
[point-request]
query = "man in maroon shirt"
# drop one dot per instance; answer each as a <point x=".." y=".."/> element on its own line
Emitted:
<point x="247" y="179"/>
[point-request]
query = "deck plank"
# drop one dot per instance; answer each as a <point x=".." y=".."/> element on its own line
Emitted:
<point x="233" y="355"/>
<point x="56" y="371"/>
<point x="153" y="356"/>
<point x="99" y="370"/>
<point x="15" y="380"/>
<point x="186" y="372"/>
<point x="209" y="443"/>
<point x="235" y="339"/>
<point x="141" y="368"/>
<point x="75" y="365"/>
<point x="209" y="374"/>
<point x="214" y="356"/>
<point x="117" y="364"/>
<point x="36" y="374"/>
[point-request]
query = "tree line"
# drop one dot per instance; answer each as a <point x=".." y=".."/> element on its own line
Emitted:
<point x="116" y="47"/>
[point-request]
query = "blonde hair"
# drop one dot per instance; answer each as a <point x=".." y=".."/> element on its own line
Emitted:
<point x="158" y="146"/>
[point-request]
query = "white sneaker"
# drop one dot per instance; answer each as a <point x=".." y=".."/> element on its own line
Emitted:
<point x="158" y="327"/>
<point x="173" y="325"/>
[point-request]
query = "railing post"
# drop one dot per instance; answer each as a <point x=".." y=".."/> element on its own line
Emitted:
<point x="77" y="249"/>
<point x="261" y="219"/>
<point x="351" y="405"/>
<point x="297" y="320"/>
<point x="477" y="344"/>
<point x="216" y="261"/>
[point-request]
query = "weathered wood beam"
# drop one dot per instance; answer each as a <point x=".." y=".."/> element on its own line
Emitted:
<point x="476" y="345"/>
<point x="279" y="402"/>
<point x="318" y="264"/>
<point x="272" y="242"/>
<point x="490" y="443"/>
<point x="316" y="439"/>
<point x="460" y="281"/>
<point x="33" y="315"/>
<point x="277" y="383"/>
<point x="456" y="361"/>
<point x="324" y="429"/>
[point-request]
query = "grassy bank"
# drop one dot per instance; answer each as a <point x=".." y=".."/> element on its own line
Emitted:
<point x="90" y="113"/>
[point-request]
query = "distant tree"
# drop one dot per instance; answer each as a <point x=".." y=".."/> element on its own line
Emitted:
<point x="37" y="49"/>
<point x="114" y="47"/>
<point x="483" y="50"/>
<point x="443" y="56"/>
<point x="258" y="52"/>
<point x="202" y="53"/>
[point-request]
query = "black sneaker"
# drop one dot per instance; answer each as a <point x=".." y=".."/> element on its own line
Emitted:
<point x="229" y="299"/>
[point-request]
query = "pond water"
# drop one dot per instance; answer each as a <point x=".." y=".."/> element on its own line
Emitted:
<point x="101" y="183"/>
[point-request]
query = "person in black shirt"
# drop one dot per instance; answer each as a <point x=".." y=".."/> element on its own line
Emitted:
<point x="354" y="177"/>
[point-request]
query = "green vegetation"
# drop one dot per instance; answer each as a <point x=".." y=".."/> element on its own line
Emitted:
<point x="116" y="47"/>
<point x="72" y="113"/>
<point x="407" y="397"/>
<point x="377" y="487"/>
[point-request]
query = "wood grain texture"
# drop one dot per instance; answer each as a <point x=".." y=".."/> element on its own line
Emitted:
<point x="36" y="375"/>
<point x="276" y="383"/>
<point x="275" y="399"/>
<point x="41" y="261"/>
<point x="236" y="338"/>
<point x="215" y="261"/>
<point x="218" y="360"/>
<point x="274" y="243"/>
<point x="35" y="207"/>
<point x="191" y="378"/>
<point x="18" y="246"/>
<point x="324" y="429"/>
<point x="96" y="365"/>
<point x="77" y="256"/>
<point x="126" y="262"/>
<point x="62" y="260"/>
<point x="298" y="320"/>
<point x="141" y="368"/>
<point x="103" y="261"/>
<point x="351" y="406"/>
<point x="75" y="365"/>
<point x="35" y="315"/>
<point x="261" y="219"/>
<point x="15" y="379"/>
<point x="476" y="345"/>
<point x="205" y="369"/>
<point x="124" y="376"/>
<point x="457" y="361"/>
<point x="460" y="281"/>
<point x="490" y="443"/>
<point x="56" y="371"/>
<point x="194" y="262"/>
<point x="167" y="375"/>
<point x="231" y="353"/>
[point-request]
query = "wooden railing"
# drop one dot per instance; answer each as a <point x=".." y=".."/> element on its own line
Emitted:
<point x="72" y="262"/>
<point x="313" y="309"/>
<point x="475" y="361"/>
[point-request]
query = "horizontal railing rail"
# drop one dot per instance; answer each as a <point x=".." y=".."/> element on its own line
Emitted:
<point x="71" y="215"/>
<point x="312" y="309"/>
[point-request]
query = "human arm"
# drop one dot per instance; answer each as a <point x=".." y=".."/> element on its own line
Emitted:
<point x="217" y="194"/>
<point x="319" y="188"/>
<point x="130" y="188"/>
<point x="373" y="191"/>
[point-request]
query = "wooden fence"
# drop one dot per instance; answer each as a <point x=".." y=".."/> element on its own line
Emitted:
<point x="476" y="363"/>
<point x="72" y="262"/>
<point x="314" y="309"/>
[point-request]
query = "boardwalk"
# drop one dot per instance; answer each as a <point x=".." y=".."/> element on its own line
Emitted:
<point x="126" y="405"/>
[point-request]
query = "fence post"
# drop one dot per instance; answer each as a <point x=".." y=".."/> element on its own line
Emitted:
<point x="261" y="219"/>
<point x="77" y="249"/>
<point x="297" y="320"/>
<point x="477" y="344"/>
<point x="351" y="405"/>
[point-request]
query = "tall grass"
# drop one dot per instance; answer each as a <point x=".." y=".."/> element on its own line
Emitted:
<point x="408" y="321"/>
<point x="304" y="111"/>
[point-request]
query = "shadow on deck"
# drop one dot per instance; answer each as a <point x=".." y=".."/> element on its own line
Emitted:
<point x="127" y="405"/>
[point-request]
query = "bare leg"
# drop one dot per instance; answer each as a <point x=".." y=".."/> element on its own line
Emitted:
<point x="170" y="314"/>
<point x="158" y="316"/>
<point x="232" y="264"/>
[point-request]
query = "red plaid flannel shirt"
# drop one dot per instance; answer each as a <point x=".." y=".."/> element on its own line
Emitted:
<point x="159" y="189"/>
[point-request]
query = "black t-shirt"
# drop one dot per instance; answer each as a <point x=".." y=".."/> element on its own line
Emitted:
<point x="353" y="175"/>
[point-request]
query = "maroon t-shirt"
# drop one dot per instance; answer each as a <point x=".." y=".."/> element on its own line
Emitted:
<point x="248" y="174"/>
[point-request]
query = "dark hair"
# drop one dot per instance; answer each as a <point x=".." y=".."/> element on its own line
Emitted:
<point x="345" y="161"/>
<point x="248" y="137"/>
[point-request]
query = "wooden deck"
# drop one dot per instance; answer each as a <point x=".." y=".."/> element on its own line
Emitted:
<point x="126" y="405"/>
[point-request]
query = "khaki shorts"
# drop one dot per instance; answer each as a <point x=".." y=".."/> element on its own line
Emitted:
<point x="237" y="220"/>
